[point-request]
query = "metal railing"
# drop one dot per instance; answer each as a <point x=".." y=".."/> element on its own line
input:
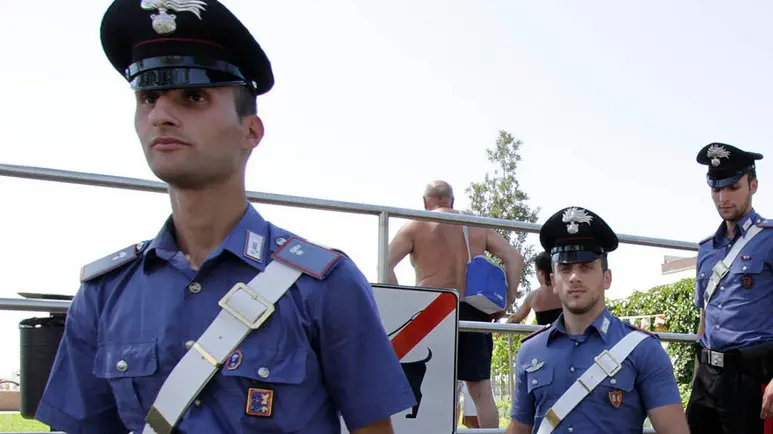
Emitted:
<point x="384" y="213"/>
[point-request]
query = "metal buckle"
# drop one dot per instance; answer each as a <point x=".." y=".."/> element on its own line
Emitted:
<point x="716" y="359"/>
<point x="720" y="269"/>
<point x="603" y="367"/>
<point x="255" y="296"/>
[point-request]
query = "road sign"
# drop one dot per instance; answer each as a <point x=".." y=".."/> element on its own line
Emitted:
<point x="423" y="325"/>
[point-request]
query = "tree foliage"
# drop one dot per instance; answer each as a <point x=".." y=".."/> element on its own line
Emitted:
<point x="675" y="302"/>
<point x="500" y="196"/>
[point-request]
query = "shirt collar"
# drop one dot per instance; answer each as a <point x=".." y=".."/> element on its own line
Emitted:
<point x="741" y="227"/>
<point x="248" y="240"/>
<point x="601" y="326"/>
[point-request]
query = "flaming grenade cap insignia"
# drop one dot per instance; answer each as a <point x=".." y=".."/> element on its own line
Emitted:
<point x="715" y="152"/>
<point x="164" y="22"/>
<point x="574" y="216"/>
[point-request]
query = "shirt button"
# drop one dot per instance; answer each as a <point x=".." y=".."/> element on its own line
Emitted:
<point x="263" y="372"/>
<point x="122" y="366"/>
<point x="745" y="268"/>
<point x="703" y="274"/>
<point x="613" y="381"/>
<point x="716" y="326"/>
<point x="571" y="368"/>
<point x="721" y="288"/>
<point x="197" y="402"/>
<point x="189" y="344"/>
<point x="194" y="287"/>
<point x="576" y="343"/>
<point x="533" y="381"/>
<point x="570" y="429"/>
<point x="720" y="307"/>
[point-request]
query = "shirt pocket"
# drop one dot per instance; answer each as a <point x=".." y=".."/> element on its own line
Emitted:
<point x="619" y="388"/>
<point x="128" y="368"/>
<point x="746" y="272"/>
<point x="276" y="391"/>
<point x="538" y="380"/>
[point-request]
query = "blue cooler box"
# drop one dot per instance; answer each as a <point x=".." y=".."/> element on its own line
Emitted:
<point x="486" y="287"/>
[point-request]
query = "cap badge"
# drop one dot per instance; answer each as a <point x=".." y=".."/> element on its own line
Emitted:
<point x="715" y="152"/>
<point x="574" y="216"/>
<point x="165" y="23"/>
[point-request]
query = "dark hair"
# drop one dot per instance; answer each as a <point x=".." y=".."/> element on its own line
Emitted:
<point x="542" y="263"/>
<point x="244" y="101"/>
<point x="752" y="175"/>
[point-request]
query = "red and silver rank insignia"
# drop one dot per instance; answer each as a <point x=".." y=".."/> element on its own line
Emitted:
<point x="260" y="402"/>
<point x="616" y="398"/>
<point x="746" y="281"/>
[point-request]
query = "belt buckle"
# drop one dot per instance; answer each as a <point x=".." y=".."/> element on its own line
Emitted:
<point x="223" y="303"/>
<point x="716" y="359"/>
<point x="606" y="356"/>
<point x="720" y="270"/>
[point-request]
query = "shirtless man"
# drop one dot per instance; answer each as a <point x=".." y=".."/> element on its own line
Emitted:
<point x="439" y="257"/>
<point x="544" y="302"/>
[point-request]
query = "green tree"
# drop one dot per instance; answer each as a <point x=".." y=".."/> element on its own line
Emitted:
<point x="500" y="196"/>
<point x="675" y="303"/>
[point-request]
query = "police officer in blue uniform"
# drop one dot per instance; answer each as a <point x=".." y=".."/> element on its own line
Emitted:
<point x="223" y="322"/>
<point x="734" y="291"/>
<point x="589" y="372"/>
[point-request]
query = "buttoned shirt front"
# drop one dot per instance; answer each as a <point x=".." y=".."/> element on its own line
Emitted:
<point x="740" y="311"/>
<point x="323" y="353"/>
<point x="550" y="361"/>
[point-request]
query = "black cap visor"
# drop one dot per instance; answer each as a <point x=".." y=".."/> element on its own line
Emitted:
<point x="575" y="254"/>
<point x="180" y="72"/>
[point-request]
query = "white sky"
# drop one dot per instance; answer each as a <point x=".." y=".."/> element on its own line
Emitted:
<point x="373" y="99"/>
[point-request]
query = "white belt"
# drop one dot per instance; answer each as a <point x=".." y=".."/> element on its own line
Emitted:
<point x="244" y="309"/>
<point x="721" y="268"/>
<point x="607" y="363"/>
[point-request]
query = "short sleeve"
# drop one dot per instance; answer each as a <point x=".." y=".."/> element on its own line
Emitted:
<point x="656" y="381"/>
<point x="522" y="409"/>
<point x="362" y="372"/>
<point x="75" y="400"/>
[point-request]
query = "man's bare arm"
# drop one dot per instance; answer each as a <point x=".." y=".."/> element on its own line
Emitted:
<point x="516" y="427"/>
<point x="669" y="419"/>
<point x="510" y="257"/>
<point x="384" y="426"/>
<point x="522" y="311"/>
<point x="399" y="248"/>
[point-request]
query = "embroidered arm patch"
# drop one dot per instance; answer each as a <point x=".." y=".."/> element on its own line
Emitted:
<point x="314" y="260"/>
<point x="108" y="263"/>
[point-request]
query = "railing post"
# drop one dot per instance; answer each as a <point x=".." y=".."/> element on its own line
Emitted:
<point x="383" y="247"/>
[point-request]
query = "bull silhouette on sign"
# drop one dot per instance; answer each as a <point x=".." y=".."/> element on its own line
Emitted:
<point x="414" y="372"/>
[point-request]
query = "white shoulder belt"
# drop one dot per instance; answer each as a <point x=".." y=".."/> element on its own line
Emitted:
<point x="607" y="363"/>
<point x="722" y="267"/>
<point x="244" y="309"/>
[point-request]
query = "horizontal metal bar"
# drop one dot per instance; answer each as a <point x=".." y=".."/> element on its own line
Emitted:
<point x="27" y="305"/>
<point x="57" y="306"/>
<point x="472" y="326"/>
<point x="99" y="180"/>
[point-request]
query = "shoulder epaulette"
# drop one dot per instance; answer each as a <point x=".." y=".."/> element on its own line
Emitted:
<point x="639" y="329"/>
<point x="765" y="223"/>
<point x="111" y="262"/>
<point x="534" y="333"/>
<point x="312" y="259"/>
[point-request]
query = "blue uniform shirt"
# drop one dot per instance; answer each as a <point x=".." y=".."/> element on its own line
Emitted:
<point x="740" y="313"/>
<point x="645" y="381"/>
<point x="323" y="352"/>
